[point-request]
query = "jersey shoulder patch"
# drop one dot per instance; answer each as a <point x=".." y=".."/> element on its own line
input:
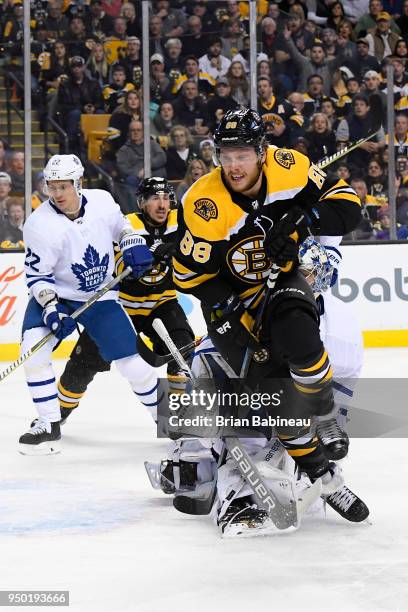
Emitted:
<point x="206" y="209"/>
<point x="284" y="157"/>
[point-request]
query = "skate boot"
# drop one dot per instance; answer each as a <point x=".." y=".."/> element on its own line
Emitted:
<point x="244" y="519"/>
<point x="334" y="440"/>
<point x="340" y="498"/>
<point x="41" y="439"/>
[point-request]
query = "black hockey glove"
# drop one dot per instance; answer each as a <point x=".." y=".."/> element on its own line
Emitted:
<point x="283" y="241"/>
<point x="231" y="322"/>
<point x="162" y="253"/>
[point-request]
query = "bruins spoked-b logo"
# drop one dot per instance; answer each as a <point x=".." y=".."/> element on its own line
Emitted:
<point x="284" y="157"/>
<point x="206" y="209"/>
<point x="248" y="261"/>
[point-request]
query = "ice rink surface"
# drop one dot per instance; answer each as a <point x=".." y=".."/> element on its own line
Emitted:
<point x="88" y="521"/>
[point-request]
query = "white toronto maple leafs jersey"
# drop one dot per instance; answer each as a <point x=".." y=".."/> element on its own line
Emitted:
<point x="74" y="258"/>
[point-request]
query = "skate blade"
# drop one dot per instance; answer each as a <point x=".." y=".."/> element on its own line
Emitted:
<point x="46" y="448"/>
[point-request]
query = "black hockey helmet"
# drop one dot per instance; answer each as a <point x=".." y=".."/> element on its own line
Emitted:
<point x="240" y="128"/>
<point x="152" y="186"/>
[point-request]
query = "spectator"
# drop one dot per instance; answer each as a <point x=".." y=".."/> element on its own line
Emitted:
<point x="97" y="65"/>
<point x="207" y="15"/>
<point x="163" y="122"/>
<point x="317" y="64"/>
<point x="130" y="157"/>
<point x="359" y="123"/>
<point x="196" y="169"/>
<point x="329" y="40"/>
<point x="75" y="38"/>
<point x="56" y="23"/>
<point x="207" y="152"/>
<point x="336" y="15"/>
<point x="5" y="189"/>
<point x="16" y="172"/>
<point x="320" y="137"/>
<point x="190" y="110"/>
<point x="114" y="93"/>
<point x="402" y="206"/>
<point x="343" y="171"/>
<point x="232" y="37"/>
<point x="402" y="22"/>
<point x="174" y="21"/>
<point x="337" y="124"/>
<point x="382" y="41"/>
<point x="364" y="61"/>
<point x="377" y="181"/>
<point x="156" y="35"/>
<point x="383" y="233"/>
<point x="263" y="68"/>
<point x="269" y="36"/>
<point x="298" y="102"/>
<point x="346" y="32"/>
<point x="132" y="61"/>
<point x="159" y="81"/>
<point x="38" y="196"/>
<point x="368" y="22"/>
<point x="180" y="152"/>
<point x="97" y="22"/>
<point x="213" y="63"/>
<point x="239" y="84"/>
<point x="112" y="7"/>
<point x="195" y="42"/>
<point x="280" y="117"/>
<point x="4" y="149"/>
<point x="314" y="96"/>
<point x="130" y="110"/>
<point x="401" y="50"/>
<point x="76" y="95"/>
<point x="220" y="103"/>
<point x="401" y="135"/>
<point x="400" y="75"/>
<point x="173" y="61"/>
<point x="12" y="230"/>
<point x="371" y="85"/>
<point x="128" y="12"/>
<point x="369" y="208"/>
<point x="205" y="82"/>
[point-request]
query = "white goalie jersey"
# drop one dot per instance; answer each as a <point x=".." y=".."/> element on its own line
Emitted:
<point x="73" y="258"/>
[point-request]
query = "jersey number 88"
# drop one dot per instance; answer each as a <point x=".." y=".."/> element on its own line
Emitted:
<point x="199" y="250"/>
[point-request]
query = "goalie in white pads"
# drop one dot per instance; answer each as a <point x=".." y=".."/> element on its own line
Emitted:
<point x="69" y="255"/>
<point x="236" y="513"/>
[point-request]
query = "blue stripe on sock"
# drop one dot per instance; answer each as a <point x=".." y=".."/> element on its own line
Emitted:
<point x="148" y="392"/>
<point x="41" y="382"/>
<point x="38" y="400"/>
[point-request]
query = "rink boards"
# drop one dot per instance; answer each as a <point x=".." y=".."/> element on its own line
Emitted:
<point x="373" y="283"/>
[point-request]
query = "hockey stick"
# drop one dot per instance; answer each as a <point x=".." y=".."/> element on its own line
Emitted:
<point x="376" y="114"/>
<point x="282" y="516"/>
<point x="13" y="366"/>
<point x="156" y="360"/>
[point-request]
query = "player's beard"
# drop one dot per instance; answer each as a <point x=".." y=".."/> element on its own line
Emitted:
<point x="246" y="185"/>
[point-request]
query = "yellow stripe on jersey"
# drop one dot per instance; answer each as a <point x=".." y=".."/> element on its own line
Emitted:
<point x="153" y="297"/>
<point x="317" y="365"/>
<point x="341" y="191"/>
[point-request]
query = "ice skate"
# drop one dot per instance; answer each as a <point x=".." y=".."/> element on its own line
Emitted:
<point x="41" y="439"/>
<point x="334" y="440"/>
<point x="340" y="498"/>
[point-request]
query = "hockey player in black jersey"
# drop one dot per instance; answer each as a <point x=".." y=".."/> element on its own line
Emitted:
<point x="153" y="295"/>
<point x="255" y="209"/>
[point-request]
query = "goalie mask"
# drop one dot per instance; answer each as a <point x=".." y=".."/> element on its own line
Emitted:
<point x="64" y="168"/>
<point x="315" y="265"/>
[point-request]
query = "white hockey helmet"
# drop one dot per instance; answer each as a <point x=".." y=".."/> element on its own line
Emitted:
<point x="65" y="168"/>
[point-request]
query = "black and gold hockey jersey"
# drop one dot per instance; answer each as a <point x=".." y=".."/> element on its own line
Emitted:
<point x="221" y="248"/>
<point x="142" y="296"/>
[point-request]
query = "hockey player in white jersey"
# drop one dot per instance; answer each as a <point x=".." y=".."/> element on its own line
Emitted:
<point x="69" y="255"/>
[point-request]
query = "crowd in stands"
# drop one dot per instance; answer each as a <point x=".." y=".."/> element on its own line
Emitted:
<point x="318" y="63"/>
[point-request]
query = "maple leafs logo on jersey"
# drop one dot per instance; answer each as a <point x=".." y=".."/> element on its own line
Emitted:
<point x="93" y="273"/>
